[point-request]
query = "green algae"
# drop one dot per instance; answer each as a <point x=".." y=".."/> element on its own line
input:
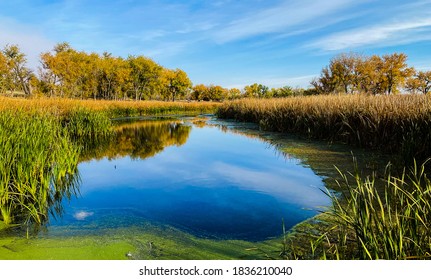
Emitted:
<point x="154" y="243"/>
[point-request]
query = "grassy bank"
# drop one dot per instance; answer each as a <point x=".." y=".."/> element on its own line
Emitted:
<point x="111" y="109"/>
<point x="38" y="165"/>
<point x="394" y="124"/>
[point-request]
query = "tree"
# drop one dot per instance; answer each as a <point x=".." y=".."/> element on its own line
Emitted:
<point x="420" y="82"/>
<point x="64" y="71"/>
<point x="4" y="71"/>
<point x="144" y="76"/>
<point x="282" y="92"/>
<point x="325" y="83"/>
<point x="19" y="75"/>
<point x="234" y="93"/>
<point x="256" y="90"/>
<point x="353" y="73"/>
<point x="342" y="68"/>
<point x="176" y="84"/>
<point x="199" y="92"/>
<point x="217" y="93"/>
<point x="395" y="71"/>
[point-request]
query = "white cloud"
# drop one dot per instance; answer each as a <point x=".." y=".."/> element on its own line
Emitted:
<point x="415" y="30"/>
<point x="299" y="187"/>
<point x="82" y="215"/>
<point x="28" y="38"/>
<point x="282" y="18"/>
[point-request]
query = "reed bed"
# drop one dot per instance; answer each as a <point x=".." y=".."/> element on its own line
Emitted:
<point x="38" y="166"/>
<point x="395" y="124"/>
<point x="112" y="109"/>
<point x="393" y="223"/>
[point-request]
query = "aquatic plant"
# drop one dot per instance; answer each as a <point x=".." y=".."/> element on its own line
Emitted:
<point x="38" y="166"/>
<point x="389" y="223"/>
<point x="86" y="125"/>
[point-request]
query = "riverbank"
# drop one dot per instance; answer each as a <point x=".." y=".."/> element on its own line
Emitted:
<point x="397" y="124"/>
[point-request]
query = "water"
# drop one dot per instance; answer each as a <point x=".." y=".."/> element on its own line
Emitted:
<point x="203" y="179"/>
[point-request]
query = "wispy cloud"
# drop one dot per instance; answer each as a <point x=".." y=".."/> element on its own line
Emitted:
<point x="281" y="18"/>
<point x="30" y="40"/>
<point x="397" y="33"/>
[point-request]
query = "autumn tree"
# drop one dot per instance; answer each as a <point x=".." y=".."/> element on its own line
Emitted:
<point x="199" y="92"/>
<point x="217" y="93"/>
<point x="64" y="71"/>
<point x="175" y="84"/>
<point x="18" y="75"/>
<point x="4" y="72"/>
<point x="352" y="73"/>
<point x="144" y="74"/>
<point x="256" y="90"/>
<point x="234" y="93"/>
<point x="420" y="82"/>
<point x="325" y="83"/>
<point x="395" y="71"/>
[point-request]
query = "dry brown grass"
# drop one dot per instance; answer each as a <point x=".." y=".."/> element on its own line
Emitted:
<point x="395" y="124"/>
<point x="111" y="108"/>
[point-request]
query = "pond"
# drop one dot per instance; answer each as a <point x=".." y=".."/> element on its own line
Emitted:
<point x="190" y="187"/>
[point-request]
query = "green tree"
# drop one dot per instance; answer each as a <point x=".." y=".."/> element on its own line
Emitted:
<point x="282" y="92"/>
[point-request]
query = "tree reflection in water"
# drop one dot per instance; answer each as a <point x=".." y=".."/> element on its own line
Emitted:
<point x="139" y="140"/>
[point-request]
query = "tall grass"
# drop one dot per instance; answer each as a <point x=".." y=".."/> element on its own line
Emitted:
<point x="389" y="223"/>
<point x="395" y="124"/>
<point x="38" y="166"/>
<point x="112" y="109"/>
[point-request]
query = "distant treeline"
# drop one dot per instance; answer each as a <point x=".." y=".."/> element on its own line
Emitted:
<point x="65" y="72"/>
<point x="387" y="74"/>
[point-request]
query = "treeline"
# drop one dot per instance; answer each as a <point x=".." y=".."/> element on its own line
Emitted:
<point x="388" y="74"/>
<point x="66" y="72"/>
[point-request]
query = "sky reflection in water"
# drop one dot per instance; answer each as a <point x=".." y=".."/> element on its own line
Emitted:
<point x="217" y="184"/>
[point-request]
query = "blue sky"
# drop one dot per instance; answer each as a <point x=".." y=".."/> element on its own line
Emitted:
<point x="225" y="42"/>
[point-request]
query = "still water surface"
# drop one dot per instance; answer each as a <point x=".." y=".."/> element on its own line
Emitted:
<point x="198" y="177"/>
